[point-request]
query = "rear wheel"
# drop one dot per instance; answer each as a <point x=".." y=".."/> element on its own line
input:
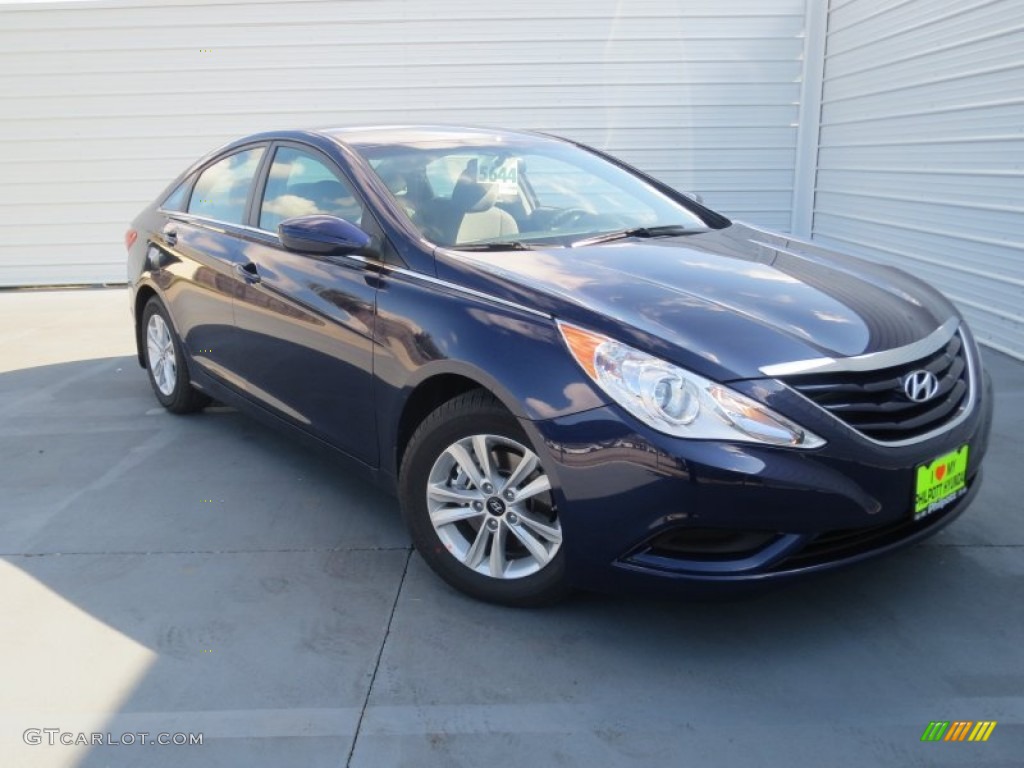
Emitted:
<point x="165" y="362"/>
<point x="479" y="505"/>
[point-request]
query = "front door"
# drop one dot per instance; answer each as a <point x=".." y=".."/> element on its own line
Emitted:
<point x="305" y="324"/>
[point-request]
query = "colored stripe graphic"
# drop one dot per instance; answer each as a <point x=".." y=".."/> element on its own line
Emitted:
<point x="982" y="730"/>
<point x="958" y="731"/>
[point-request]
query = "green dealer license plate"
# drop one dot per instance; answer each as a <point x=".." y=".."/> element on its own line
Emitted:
<point x="940" y="483"/>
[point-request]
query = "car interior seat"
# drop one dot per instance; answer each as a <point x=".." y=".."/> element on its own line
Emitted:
<point x="474" y="213"/>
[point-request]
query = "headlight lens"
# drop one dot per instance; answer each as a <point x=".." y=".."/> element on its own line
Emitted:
<point x="676" y="401"/>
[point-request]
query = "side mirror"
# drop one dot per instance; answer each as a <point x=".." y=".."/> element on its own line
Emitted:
<point x="697" y="198"/>
<point x="323" y="235"/>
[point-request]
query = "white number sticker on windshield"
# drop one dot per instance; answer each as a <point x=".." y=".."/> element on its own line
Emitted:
<point x="505" y="175"/>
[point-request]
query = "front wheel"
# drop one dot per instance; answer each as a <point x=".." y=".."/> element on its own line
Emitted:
<point x="479" y="505"/>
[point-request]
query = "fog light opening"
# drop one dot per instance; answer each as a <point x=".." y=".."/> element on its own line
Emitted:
<point x="710" y="543"/>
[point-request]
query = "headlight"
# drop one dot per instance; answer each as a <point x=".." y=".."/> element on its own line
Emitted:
<point x="675" y="401"/>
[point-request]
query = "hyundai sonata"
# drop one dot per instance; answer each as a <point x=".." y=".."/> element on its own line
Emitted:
<point x="571" y="374"/>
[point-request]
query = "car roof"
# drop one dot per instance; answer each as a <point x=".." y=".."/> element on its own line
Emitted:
<point x="427" y="135"/>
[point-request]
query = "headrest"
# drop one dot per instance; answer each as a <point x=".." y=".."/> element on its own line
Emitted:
<point x="469" y="195"/>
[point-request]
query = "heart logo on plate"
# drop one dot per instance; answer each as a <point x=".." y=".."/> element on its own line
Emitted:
<point x="940" y="472"/>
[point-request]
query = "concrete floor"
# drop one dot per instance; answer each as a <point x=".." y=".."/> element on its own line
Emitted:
<point x="203" y="574"/>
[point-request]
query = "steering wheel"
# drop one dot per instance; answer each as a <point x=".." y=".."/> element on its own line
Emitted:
<point x="568" y="217"/>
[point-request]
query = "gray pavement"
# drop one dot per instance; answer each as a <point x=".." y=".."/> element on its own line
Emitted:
<point x="206" y="575"/>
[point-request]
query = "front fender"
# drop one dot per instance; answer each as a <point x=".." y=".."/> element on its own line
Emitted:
<point x="424" y="329"/>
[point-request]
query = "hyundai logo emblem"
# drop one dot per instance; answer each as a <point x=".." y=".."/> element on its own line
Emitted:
<point x="920" y="386"/>
<point x="495" y="506"/>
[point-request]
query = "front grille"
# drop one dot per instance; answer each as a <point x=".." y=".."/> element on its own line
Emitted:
<point x="874" y="403"/>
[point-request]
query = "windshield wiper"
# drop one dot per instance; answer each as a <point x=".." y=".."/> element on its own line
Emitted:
<point x="665" y="230"/>
<point x="501" y="245"/>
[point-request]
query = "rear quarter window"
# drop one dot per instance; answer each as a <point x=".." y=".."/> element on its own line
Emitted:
<point x="176" y="200"/>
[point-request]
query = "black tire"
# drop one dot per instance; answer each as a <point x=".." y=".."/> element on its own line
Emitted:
<point x="477" y="413"/>
<point x="182" y="397"/>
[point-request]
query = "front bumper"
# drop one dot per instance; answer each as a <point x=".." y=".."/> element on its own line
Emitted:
<point x="627" y="493"/>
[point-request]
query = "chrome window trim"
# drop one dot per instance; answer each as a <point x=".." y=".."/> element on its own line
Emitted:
<point x="190" y="218"/>
<point x="872" y="360"/>
<point x="389" y="268"/>
<point x="965" y="410"/>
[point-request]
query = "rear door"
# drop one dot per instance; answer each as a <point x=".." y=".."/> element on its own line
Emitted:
<point x="204" y="245"/>
<point x="305" y="323"/>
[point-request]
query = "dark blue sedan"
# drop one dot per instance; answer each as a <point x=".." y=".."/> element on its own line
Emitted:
<point x="571" y="374"/>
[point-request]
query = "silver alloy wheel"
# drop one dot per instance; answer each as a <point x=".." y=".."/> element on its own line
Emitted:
<point x="162" y="361"/>
<point x="490" y="503"/>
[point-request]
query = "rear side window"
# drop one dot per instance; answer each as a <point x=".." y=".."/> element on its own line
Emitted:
<point x="300" y="184"/>
<point x="222" y="189"/>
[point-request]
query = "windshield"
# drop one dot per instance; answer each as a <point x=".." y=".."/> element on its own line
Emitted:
<point x="530" y="193"/>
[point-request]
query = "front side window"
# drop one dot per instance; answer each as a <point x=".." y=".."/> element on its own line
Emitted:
<point x="223" y="188"/>
<point x="300" y="184"/>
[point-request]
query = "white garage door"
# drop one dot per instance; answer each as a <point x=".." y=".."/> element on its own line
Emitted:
<point x="921" y="156"/>
<point x="104" y="103"/>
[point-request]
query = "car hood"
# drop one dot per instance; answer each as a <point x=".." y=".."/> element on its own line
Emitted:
<point x="723" y="302"/>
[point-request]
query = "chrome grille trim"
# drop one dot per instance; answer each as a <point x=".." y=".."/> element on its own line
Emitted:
<point x="965" y="409"/>
<point x="872" y="360"/>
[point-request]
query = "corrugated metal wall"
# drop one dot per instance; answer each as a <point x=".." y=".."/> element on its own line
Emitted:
<point x="103" y="103"/>
<point x="921" y="154"/>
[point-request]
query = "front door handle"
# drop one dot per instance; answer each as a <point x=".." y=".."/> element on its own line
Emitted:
<point x="248" y="272"/>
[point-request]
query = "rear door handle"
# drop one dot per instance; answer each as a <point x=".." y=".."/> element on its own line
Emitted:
<point x="248" y="272"/>
<point x="171" y="235"/>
